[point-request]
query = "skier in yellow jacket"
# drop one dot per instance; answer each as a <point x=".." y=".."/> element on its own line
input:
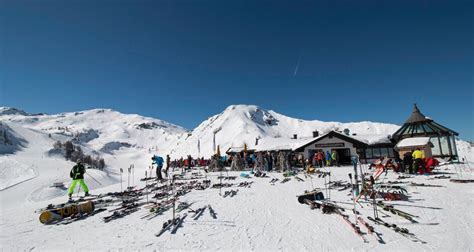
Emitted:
<point x="418" y="163"/>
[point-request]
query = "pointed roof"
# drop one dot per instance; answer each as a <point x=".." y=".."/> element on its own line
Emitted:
<point x="420" y="125"/>
<point x="416" y="116"/>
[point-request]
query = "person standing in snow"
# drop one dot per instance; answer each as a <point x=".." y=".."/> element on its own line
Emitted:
<point x="159" y="164"/>
<point x="418" y="163"/>
<point x="320" y="158"/>
<point x="315" y="159"/>
<point x="335" y="159"/>
<point x="167" y="165"/>
<point x="270" y="161"/>
<point x="407" y="162"/>
<point x="328" y="158"/>
<point x="77" y="175"/>
<point x="190" y="159"/>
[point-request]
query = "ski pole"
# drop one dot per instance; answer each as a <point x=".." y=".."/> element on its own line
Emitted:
<point x="128" y="182"/>
<point x="93" y="178"/>
<point x="121" y="187"/>
<point x="146" y="187"/>
<point x="133" y="174"/>
<point x="353" y="198"/>
<point x="362" y="178"/>
<point x="374" y="194"/>
<point x="220" y="188"/>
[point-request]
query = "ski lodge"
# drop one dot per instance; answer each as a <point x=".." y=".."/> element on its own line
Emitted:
<point x="417" y="132"/>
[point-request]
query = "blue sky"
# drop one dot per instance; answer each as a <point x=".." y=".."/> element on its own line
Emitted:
<point x="183" y="61"/>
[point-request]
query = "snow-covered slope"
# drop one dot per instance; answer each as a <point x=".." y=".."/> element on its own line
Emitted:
<point x="10" y="141"/>
<point x="103" y="130"/>
<point x="239" y="124"/>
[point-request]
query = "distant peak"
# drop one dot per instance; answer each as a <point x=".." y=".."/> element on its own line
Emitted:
<point x="15" y="111"/>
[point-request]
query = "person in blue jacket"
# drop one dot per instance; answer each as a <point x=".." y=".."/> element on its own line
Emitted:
<point x="159" y="164"/>
<point x="328" y="158"/>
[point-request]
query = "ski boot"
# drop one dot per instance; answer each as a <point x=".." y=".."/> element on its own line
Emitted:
<point x="86" y="194"/>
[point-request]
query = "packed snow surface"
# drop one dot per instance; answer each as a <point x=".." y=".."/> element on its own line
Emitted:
<point x="262" y="217"/>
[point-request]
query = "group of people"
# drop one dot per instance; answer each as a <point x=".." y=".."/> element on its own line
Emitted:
<point x="413" y="162"/>
<point x="329" y="159"/>
<point x="263" y="161"/>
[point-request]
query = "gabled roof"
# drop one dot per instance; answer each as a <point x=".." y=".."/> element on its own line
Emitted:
<point x="355" y="142"/>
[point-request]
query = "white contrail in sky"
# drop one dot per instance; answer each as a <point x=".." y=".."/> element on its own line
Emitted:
<point x="297" y="65"/>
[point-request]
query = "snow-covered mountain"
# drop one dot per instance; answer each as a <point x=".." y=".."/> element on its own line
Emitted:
<point x="118" y="136"/>
<point x="239" y="124"/>
<point x="101" y="130"/>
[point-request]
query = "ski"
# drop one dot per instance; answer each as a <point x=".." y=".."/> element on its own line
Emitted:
<point x="354" y="227"/>
<point x="285" y="180"/>
<point x="211" y="212"/>
<point x="233" y="192"/>
<point x="371" y="230"/>
<point x="178" y="223"/>
<point x="299" y="179"/>
<point x="120" y="214"/>
<point x="166" y="225"/>
<point x="273" y="181"/>
<point x="78" y="217"/>
<point x="402" y="231"/>
<point x="462" y="180"/>
<point x="393" y="210"/>
<point x="198" y="213"/>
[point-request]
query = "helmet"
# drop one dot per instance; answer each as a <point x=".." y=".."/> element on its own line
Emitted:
<point x="78" y="161"/>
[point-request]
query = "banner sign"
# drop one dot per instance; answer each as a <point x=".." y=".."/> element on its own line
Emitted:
<point x="325" y="145"/>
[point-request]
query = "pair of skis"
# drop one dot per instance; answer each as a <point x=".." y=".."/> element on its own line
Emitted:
<point x="230" y="193"/>
<point x="172" y="224"/>
<point x="402" y="231"/>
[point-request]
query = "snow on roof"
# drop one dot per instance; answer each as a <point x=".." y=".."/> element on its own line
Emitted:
<point x="235" y="149"/>
<point x="413" y="142"/>
<point x="281" y="143"/>
<point x="371" y="139"/>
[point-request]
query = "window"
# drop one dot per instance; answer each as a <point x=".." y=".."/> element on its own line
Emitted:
<point x="428" y="129"/>
<point x="384" y="152"/>
<point x="390" y="152"/>
<point x="376" y="152"/>
<point x="435" y="150"/>
<point x="368" y="153"/>
<point x="444" y="145"/>
<point x="453" y="145"/>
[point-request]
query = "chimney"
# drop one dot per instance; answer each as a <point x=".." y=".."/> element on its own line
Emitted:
<point x="295" y="136"/>
<point x="315" y="133"/>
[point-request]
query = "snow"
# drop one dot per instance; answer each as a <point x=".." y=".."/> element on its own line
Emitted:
<point x="13" y="172"/>
<point x="263" y="217"/>
<point x="274" y="144"/>
<point x="242" y="124"/>
<point x="372" y="139"/>
<point x="413" y="142"/>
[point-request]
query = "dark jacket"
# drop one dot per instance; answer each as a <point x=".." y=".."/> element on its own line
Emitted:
<point x="77" y="172"/>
